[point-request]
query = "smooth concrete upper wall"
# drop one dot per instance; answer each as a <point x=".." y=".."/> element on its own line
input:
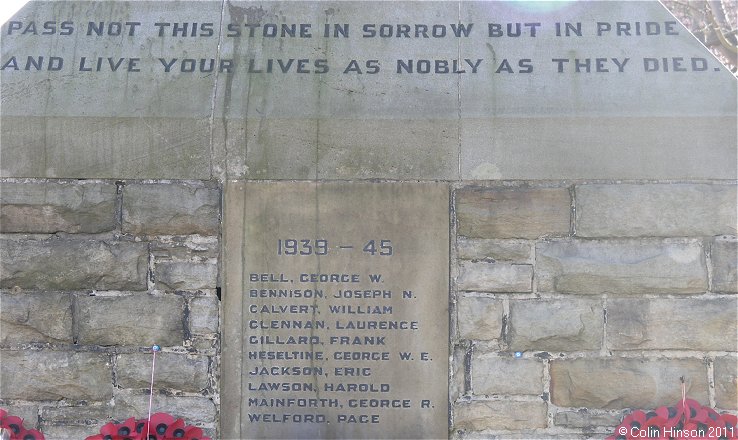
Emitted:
<point x="397" y="90"/>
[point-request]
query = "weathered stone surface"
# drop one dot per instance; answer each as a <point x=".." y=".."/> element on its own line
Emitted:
<point x="204" y="316"/>
<point x="616" y="383"/>
<point x="90" y="415"/>
<point x="254" y="148"/>
<point x="69" y="432"/>
<point x="480" y="318"/>
<point x="499" y="250"/>
<point x="556" y="325"/>
<point x="35" y="317"/>
<point x="171" y="209"/>
<point x="585" y="419"/>
<point x="139" y="319"/>
<point x="206" y="344"/>
<point x="388" y="148"/>
<point x="307" y="148"/>
<point x="513" y="213"/>
<point x="509" y="148"/>
<point x="484" y="276"/>
<point x="492" y="374"/>
<point x="189" y="248"/>
<point x="621" y="266"/>
<point x="726" y="382"/>
<point x="499" y="415"/>
<point x="657" y="210"/>
<point x="174" y="371"/>
<point x="724" y="253"/>
<point x="186" y="275"/>
<point x="55" y="375"/>
<point x="57" y="207"/>
<point x="194" y="409"/>
<point x="92" y="147"/>
<point x="458" y="371"/>
<point x="63" y="264"/>
<point x="672" y="324"/>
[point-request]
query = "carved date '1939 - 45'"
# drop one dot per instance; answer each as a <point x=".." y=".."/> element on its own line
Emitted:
<point x="305" y="247"/>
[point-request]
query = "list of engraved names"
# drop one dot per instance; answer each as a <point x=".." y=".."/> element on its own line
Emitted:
<point x="345" y="310"/>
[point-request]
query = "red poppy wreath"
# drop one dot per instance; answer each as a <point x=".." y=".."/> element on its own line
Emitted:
<point x="687" y="420"/>
<point x="162" y="427"/>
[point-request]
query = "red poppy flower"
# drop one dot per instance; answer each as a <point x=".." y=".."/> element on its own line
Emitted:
<point x="142" y="428"/>
<point x="671" y="414"/>
<point x="109" y="429"/>
<point x="31" y="434"/>
<point x="176" y="429"/>
<point x="17" y="431"/>
<point x="654" y="427"/>
<point x="14" y="423"/>
<point x="727" y="426"/>
<point x="160" y="423"/>
<point x="194" y="433"/>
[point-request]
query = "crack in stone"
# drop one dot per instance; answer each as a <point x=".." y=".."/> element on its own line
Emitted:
<point x="213" y="98"/>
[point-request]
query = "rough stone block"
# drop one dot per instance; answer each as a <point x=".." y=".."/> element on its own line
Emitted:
<point x="499" y="415"/>
<point x="193" y="409"/>
<point x="35" y="317"/>
<point x="496" y="375"/>
<point x="55" y="375"/>
<point x="726" y="382"/>
<point x="480" y="318"/>
<point x="47" y="208"/>
<point x="585" y="419"/>
<point x="174" y="371"/>
<point x="657" y="210"/>
<point x="456" y="385"/>
<point x="186" y="275"/>
<point x="171" y="209"/>
<point x="724" y="255"/>
<point x="494" y="277"/>
<point x="556" y="325"/>
<point x="513" y="213"/>
<point x="672" y="324"/>
<point x="190" y="248"/>
<point x="73" y="265"/>
<point x="90" y="415"/>
<point x="621" y="267"/>
<point x="206" y="344"/>
<point x="204" y="315"/>
<point x="139" y="319"/>
<point x="616" y="383"/>
<point x="497" y="250"/>
<point x="69" y="432"/>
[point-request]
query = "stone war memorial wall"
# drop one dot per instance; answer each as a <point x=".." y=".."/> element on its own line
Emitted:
<point x="359" y="219"/>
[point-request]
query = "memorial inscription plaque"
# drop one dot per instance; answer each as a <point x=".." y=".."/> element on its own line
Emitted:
<point x="335" y="310"/>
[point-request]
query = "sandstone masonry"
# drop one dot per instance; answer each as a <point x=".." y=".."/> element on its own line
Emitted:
<point x="92" y="274"/>
<point x="637" y="293"/>
<point x="603" y="317"/>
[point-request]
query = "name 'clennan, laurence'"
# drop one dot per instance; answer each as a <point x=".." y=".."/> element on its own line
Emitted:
<point x="339" y="324"/>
